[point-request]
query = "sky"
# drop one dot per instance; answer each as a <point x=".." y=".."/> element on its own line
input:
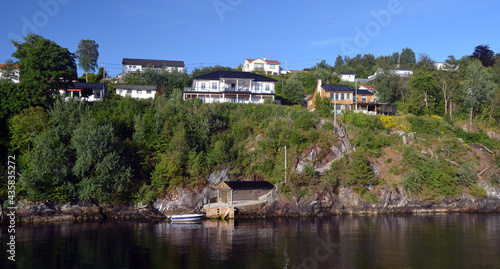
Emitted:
<point x="226" y="32"/>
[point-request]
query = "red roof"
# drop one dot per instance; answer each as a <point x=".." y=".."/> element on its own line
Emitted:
<point x="368" y="87"/>
<point x="267" y="61"/>
<point x="1" y="65"/>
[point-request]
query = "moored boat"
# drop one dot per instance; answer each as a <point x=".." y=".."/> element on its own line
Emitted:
<point x="185" y="217"/>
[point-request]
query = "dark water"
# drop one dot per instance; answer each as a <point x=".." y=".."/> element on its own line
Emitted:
<point x="428" y="241"/>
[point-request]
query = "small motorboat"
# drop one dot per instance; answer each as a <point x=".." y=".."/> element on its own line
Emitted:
<point x="185" y="217"/>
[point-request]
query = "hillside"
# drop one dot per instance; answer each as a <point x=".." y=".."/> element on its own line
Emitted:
<point x="129" y="151"/>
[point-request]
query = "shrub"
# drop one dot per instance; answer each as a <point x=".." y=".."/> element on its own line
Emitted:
<point x="477" y="191"/>
<point x="414" y="181"/>
<point x="466" y="175"/>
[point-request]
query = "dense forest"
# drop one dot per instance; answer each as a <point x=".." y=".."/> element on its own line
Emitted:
<point x="122" y="149"/>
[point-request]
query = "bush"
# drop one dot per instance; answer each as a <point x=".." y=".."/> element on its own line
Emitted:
<point x="305" y="121"/>
<point x="477" y="191"/>
<point x="466" y="175"/>
<point x="414" y="181"/>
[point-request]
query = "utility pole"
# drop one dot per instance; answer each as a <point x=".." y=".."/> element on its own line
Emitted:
<point x="334" y="113"/>
<point x="285" y="164"/>
<point x="356" y="99"/>
<point x="282" y="91"/>
<point x="103" y="72"/>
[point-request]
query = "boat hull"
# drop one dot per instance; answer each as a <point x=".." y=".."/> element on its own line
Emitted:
<point x="183" y="218"/>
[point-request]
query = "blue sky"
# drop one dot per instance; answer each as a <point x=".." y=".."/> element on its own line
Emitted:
<point x="226" y="32"/>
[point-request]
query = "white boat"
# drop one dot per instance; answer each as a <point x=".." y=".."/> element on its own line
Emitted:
<point x="185" y="217"/>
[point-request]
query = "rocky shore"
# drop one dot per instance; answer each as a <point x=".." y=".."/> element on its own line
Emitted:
<point x="344" y="201"/>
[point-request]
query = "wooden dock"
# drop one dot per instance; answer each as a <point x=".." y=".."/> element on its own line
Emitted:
<point x="226" y="212"/>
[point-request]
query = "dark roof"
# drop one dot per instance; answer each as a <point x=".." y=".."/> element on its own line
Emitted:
<point x="336" y="88"/>
<point x="83" y="85"/>
<point x="234" y="74"/>
<point x="136" y="87"/>
<point x="364" y="92"/>
<point x="347" y="73"/>
<point x="154" y="63"/>
<point x="249" y="185"/>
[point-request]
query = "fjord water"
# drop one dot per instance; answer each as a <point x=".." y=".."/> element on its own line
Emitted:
<point x="414" y="241"/>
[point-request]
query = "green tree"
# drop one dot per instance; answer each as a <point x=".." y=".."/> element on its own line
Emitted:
<point x="100" y="167"/>
<point x="360" y="174"/>
<point x="339" y="61"/>
<point x="87" y="55"/>
<point x="386" y="85"/>
<point x="477" y="89"/>
<point x="407" y="58"/>
<point x="323" y="105"/>
<point x="484" y="54"/>
<point x="49" y="169"/>
<point x="45" y="67"/>
<point x="425" y="62"/>
<point x="25" y="127"/>
<point x="424" y="92"/>
<point x="294" y="90"/>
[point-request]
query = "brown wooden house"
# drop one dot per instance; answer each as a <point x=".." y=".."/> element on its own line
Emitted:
<point x="230" y="191"/>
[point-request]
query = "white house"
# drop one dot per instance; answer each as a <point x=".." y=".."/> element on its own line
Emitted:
<point x="398" y="71"/>
<point x="136" y="91"/>
<point x="140" y="65"/>
<point x="231" y="87"/>
<point x="89" y="92"/>
<point x="9" y="72"/>
<point x="347" y="76"/>
<point x="270" y="67"/>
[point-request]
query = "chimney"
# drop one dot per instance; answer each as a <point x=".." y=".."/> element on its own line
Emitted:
<point x="264" y="58"/>
<point x="319" y="86"/>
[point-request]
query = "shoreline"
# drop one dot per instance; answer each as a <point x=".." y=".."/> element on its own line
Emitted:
<point x="280" y="208"/>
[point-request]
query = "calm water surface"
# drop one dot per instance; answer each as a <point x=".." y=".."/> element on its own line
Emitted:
<point x="428" y="241"/>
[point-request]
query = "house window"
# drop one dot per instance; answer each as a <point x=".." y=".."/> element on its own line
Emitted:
<point x="342" y="96"/>
<point x="203" y="86"/>
<point x="257" y="86"/>
<point x="148" y="92"/>
<point x="135" y="66"/>
<point x="363" y="98"/>
<point x="214" y="85"/>
<point x="332" y="96"/>
<point x="139" y="91"/>
<point x="259" y="66"/>
<point x="336" y="96"/>
<point x="348" y="96"/>
<point x="129" y="91"/>
<point x="272" y="66"/>
<point x="268" y="88"/>
<point x="129" y="66"/>
<point x="354" y="97"/>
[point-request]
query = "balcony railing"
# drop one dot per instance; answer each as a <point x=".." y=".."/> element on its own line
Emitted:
<point x="229" y="89"/>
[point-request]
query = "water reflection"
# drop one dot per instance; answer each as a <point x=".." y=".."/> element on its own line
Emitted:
<point x="427" y="241"/>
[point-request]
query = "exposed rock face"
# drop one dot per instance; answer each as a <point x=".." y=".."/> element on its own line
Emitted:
<point x="493" y="135"/>
<point x="182" y="201"/>
<point x="390" y="201"/>
<point x="45" y="212"/>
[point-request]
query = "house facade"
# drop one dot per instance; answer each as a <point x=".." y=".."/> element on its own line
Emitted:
<point x="270" y="67"/>
<point x="140" y="65"/>
<point x="231" y="87"/>
<point x="136" y="91"/>
<point x="89" y="92"/>
<point x="230" y="191"/>
<point x="9" y="72"/>
<point x="344" y="98"/>
<point x="347" y="76"/>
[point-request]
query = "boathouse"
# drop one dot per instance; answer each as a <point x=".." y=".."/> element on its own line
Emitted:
<point x="230" y="191"/>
